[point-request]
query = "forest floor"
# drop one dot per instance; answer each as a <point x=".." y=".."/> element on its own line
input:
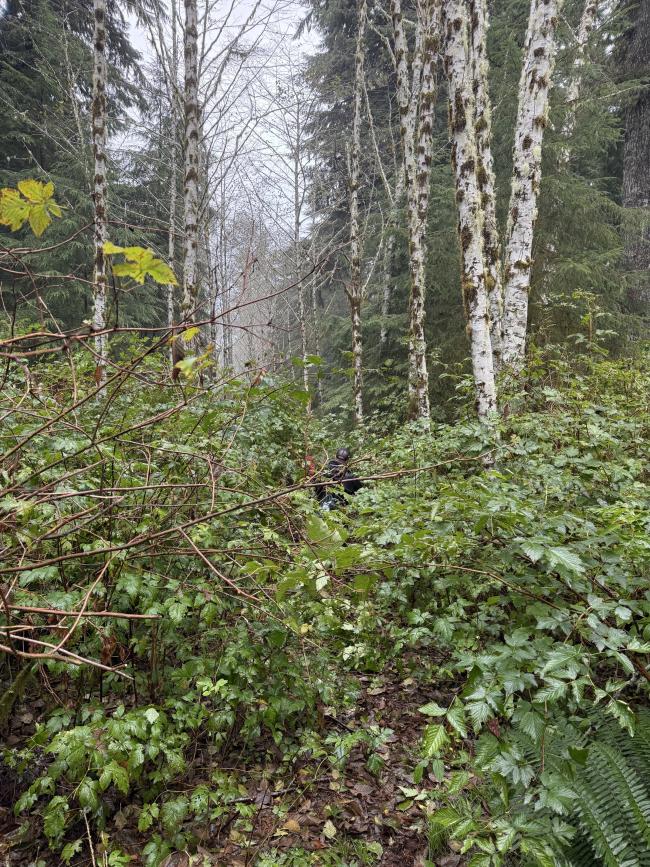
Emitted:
<point x="309" y="807"/>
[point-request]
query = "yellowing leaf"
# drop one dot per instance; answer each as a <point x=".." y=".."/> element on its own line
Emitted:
<point x="190" y="333"/>
<point x="32" y="202"/>
<point x="39" y="219"/>
<point x="14" y="210"/>
<point x="110" y="248"/>
<point x="139" y="264"/>
<point x="329" y="829"/>
<point x="35" y="191"/>
<point x="162" y="273"/>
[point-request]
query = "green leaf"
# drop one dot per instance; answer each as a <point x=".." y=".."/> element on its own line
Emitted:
<point x="70" y="850"/>
<point x="151" y="715"/>
<point x="54" y="818"/>
<point x="456" y="719"/>
<point x="432" y="709"/>
<point x="579" y="755"/>
<point x="563" y="558"/>
<point x="434" y="738"/>
<point x="87" y="793"/>
<point x="173" y="813"/>
<point x="622" y="712"/>
<point x="114" y="773"/>
<point x="148" y="814"/>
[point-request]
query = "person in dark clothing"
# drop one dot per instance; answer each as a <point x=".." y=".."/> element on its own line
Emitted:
<point x="337" y="470"/>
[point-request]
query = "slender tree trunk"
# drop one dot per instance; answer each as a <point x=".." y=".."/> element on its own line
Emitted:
<point x="173" y="179"/>
<point x="463" y="92"/>
<point x="387" y="276"/>
<point x="297" y="209"/>
<point x="354" y="289"/>
<point x="587" y="22"/>
<point x="416" y="100"/>
<point x="429" y="24"/>
<point x="636" y="158"/>
<point x="315" y="331"/>
<point x="534" y="87"/>
<point x="191" y="179"/>
<point x="99" y="189"/>
<point x="222" y="258"/>
<point x="485" y="174"/>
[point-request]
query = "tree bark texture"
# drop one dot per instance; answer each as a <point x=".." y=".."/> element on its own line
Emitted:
<point x="467" y="166"/>
<point x="485" y="174"/>
<point x="99" y="186"/>
<point x="173" y="178"/>
<point x="636" y="156"/>
<point x="387" y="276"/>
<point x="416" y="100"/>
<point x="354" y="289"/>
<point x="532" y="114"/>
<point x="191" y="179"/>
<point x="297" y="211"/>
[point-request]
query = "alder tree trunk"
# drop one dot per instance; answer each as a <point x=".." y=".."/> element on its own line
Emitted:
<point x="636" y="158"/>
<point x="315" y="333"/>
<point x="485" y="174"/>
<point x="173" y="177"/>
<point x="387" y="275"/>
<point x="532" y="114"/>
<point x="466" y="162"/>
<point x="297" y="209"/>
<point x="429" y="24"/>
<point x="191" y="179"/>
<point x="99" y="188"/>
<point x="416" y="100"/>
<point x="354" y="289"/>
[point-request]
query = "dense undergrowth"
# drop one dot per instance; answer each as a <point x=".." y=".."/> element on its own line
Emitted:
<point x="506" y="573"/>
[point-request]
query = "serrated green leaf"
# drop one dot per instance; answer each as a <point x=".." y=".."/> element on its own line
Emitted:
<point x="70" y="850"/>
<point x="432" y="708"/>
<point x="456" y="719"/>
<point x="434" y="738"/>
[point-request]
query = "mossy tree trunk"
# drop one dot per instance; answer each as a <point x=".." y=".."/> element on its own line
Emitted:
<point x="636" y="157"/>
<point x="532" y="114"/>
<point x="354" y="289"/>
<point x="191" y="178"/>
<point x="461" y="77"/>
<point x="416" y="93"/>
<point x="98" y="114"/>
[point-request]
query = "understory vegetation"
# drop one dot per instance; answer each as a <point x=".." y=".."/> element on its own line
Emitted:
<point x="324" y="425"/>
<point x="452" y="669"/>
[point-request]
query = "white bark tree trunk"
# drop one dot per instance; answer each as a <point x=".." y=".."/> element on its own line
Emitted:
<point x="354" y="289"/>
<point x="534" y="87"/>
<point x="387" y="277"/>
<point x="466" y="162"/>
<point x="191" y="179"/>
<point x="416" y="100"/>
<point x="173" y="179"/>
<point x="99" y="186"/>
<point x="297" y="213"/>
<point x="485" y="174"/>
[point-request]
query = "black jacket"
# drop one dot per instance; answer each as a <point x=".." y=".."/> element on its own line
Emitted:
<point x="338" y="471"/>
